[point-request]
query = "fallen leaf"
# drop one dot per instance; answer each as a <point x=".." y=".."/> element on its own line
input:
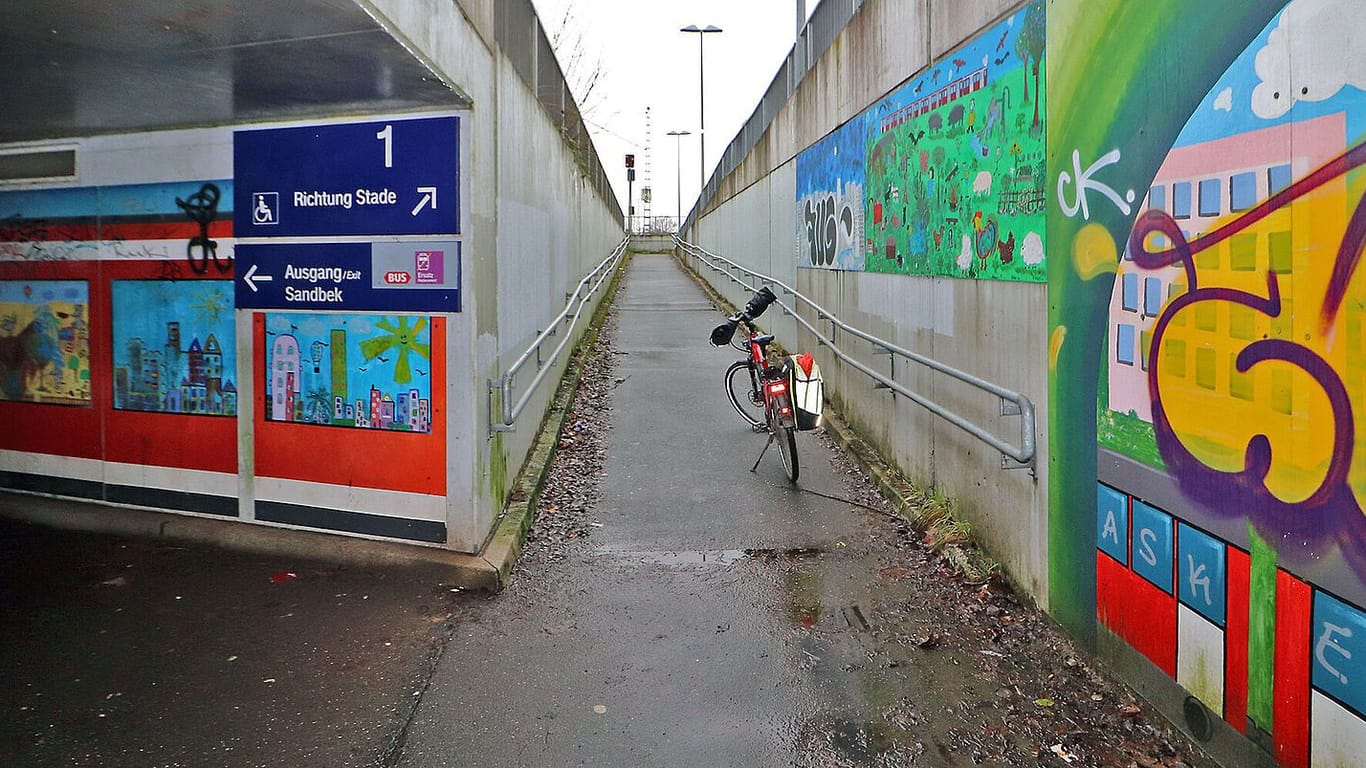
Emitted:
<point x="1067" y="757"/>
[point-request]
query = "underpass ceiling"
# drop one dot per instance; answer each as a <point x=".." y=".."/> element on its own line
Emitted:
<point x="71" y="68"/>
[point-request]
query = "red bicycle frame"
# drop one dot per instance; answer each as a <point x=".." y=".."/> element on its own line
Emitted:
<point x="771" y="383"/>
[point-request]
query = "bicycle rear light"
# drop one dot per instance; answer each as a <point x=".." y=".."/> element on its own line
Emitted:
<point x="777" y="387"/>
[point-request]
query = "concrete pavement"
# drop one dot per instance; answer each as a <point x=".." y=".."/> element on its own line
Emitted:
<point x="666" y="620"/>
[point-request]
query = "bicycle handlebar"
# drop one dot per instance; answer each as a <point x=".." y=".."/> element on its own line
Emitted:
<point x="757" y="303"/>
<point x="722" y="334"/>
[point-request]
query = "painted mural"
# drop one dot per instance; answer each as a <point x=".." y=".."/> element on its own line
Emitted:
<point x="1207" y="221"/>
<point x="955" y="162"/>
<point x="45" y="341"/>
<point x="175" y="348"/>
<point x="363" y="371"/>
<point x="830" y="200"/>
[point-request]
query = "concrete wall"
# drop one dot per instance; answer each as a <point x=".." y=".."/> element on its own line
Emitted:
<point x="996" y="330"/>
<point x="536" y="216"/>
<point x="1183" y="307"/>
<point x="538" y="222"/>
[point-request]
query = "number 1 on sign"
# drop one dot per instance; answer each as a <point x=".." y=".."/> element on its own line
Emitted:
<point x="387" y="136"/>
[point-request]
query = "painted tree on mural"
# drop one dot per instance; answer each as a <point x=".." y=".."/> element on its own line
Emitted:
<point x="1029" y="47"/>
<point x="320" y="404"/>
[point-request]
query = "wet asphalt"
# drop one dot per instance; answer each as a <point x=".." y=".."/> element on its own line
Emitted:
<point x="679" y="634"/>
<point x="144" y="653"/>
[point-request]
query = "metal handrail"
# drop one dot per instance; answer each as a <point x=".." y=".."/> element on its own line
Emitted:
<point x="503" y="384"/>
<point x="1012" y="403"/>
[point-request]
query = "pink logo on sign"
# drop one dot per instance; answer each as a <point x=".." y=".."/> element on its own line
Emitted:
<point x="431" y="267"/>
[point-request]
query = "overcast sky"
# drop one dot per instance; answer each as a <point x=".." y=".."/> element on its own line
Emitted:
<point x="647" y="62"/>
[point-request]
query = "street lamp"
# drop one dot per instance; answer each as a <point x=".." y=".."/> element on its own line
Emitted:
<point x="678" y="173"/>
<point x="702" y="104"/>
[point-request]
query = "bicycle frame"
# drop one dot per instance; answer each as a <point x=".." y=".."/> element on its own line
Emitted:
<point x="771" y="383"/>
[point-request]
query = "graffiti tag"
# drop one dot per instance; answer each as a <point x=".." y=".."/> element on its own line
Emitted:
<point x="823" y="221"/>
<point x="1085" y="182"/>
<point x="1329" y="510"/>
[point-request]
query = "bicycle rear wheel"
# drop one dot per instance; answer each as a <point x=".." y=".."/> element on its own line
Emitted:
<point x="787" y="449"/>
<point x="742" y="387"/>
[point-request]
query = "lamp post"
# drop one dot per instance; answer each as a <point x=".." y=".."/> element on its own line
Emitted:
<point x="702" y="104"/>
<point x="678" y="174"/>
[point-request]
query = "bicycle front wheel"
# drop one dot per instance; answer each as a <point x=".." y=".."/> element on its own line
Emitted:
<point x="742" y="387"/>
<point x="787" y="449"/>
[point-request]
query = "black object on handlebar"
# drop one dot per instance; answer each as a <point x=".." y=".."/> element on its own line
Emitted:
<point x="722" y="334"/>
<point x="758" y="303"/>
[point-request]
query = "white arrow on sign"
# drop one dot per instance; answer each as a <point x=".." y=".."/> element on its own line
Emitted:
<point x="251" y="279"/>
<point x="428" y="197"/>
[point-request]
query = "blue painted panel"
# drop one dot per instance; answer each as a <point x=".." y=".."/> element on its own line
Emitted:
<point x="122" y="200"/>
<point x="1339" y="651"/>
<point x="1153" y="555"/>
<point x="1202" y="573"/>
<point x="1112" y="523"/>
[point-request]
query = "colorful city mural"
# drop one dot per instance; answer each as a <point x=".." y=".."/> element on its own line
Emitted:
<point x="45" y="341"/>
<point x="365" y="371"/>
<point x="1207" y="224"/>
<point x="175" y="348"/>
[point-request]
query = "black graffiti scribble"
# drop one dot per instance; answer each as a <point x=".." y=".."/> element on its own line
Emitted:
<point x="822" y="221"/>
<point x="202" y="208"/>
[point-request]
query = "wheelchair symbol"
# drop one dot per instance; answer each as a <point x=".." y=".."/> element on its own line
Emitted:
<point x="265" y="208"/>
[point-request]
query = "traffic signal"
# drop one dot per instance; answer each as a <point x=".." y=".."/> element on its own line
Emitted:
<point x="630" y="161"/>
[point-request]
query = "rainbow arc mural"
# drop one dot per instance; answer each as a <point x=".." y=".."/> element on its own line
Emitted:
<point x="1205" y="227"/>
<point x="1188" y="180"/>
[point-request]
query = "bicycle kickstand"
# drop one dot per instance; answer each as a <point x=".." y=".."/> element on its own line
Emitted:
<point x="771" y="438"/>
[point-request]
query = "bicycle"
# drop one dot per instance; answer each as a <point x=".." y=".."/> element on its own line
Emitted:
<point x="759" y="390"/>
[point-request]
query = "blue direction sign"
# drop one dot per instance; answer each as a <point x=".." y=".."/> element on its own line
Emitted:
<point x="387" y="177"/>
<point x="404" y="276"/>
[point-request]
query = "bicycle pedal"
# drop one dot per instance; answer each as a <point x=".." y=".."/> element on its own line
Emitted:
<point x="757" y="429"/>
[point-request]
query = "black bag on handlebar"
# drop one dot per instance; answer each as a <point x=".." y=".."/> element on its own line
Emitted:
<point x="759" y="302"/>
<point x="722" y="334"/>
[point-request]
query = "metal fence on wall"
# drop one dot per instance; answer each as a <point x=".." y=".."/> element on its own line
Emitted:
<point x="523" y="40"/>
<point x="829" y="19"/>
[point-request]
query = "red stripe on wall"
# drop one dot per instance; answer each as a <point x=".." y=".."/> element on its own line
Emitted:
<point x="1134" y="609"/>
<point x="116" y="230"/>
<point x="1235" y="639"/>
<point x="1294" y="618"/>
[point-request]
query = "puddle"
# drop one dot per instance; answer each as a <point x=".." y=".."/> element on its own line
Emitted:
<point x="866" y="740"/>
<point x="711" y="557"/>
<point x="694" y="558"/>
